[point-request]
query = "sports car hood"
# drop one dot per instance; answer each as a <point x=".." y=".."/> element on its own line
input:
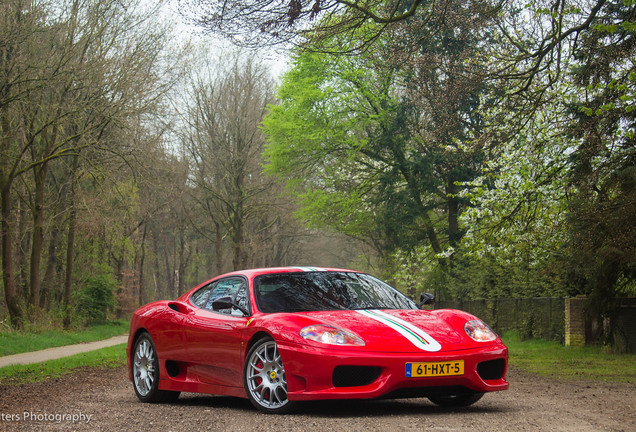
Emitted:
<point x="403" y="330"/>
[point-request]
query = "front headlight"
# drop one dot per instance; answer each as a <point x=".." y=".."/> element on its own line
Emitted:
<point x="330" y="335"/>
<point x="479" y="331"/>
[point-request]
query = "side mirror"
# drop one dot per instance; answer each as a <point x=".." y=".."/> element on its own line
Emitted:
<point x="226" y="303"/>
<point x="426" y="299"/>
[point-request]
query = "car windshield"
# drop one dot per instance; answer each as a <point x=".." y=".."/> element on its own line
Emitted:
<point x="320" y="291"/>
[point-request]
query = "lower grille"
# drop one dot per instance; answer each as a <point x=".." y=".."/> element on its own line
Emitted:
<point x="491" y="369"/>
<point x="355" y="376"/>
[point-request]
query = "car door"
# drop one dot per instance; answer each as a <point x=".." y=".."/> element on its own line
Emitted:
<point x="215" y="338"/>
<point x="167" y="331"/>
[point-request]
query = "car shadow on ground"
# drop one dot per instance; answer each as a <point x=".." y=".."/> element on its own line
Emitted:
<point x="384" y="408"/>
<point x="342" y="408"/>
<point x="212" y="401"/>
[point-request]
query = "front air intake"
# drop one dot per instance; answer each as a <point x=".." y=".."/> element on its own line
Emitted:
<point x="355" y="376"/>
<point x="491" y="369"/>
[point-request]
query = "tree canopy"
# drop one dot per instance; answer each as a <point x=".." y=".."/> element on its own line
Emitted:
<point x="266" y="22"/>
<point x="492" y="154"/>
<point x="473" y="148"/>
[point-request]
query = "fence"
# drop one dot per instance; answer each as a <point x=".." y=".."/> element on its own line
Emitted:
<point x="626" y="318"/>
<point x="541" y="317"/>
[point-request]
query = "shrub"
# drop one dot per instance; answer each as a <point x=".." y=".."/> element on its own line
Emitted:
<point x="96" y="298"/>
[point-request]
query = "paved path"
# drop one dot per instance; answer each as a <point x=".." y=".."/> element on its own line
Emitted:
<point x="59" y="352"/>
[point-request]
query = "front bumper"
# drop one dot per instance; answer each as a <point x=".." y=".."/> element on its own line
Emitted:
<point x="310" y="372"/>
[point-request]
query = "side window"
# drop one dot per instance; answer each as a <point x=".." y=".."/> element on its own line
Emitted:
<point x="242" y="299"/>
<point x="200" y="297"/>
<point x="236" y="289"/>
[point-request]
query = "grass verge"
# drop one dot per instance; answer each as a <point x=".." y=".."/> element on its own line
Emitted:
<point x="110" y="357"/>
<point x="569" y="363"/>
<point x="19" y="342"/>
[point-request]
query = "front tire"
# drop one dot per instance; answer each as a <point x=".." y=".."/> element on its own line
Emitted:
<point x="145" y="368"/>
<point x="264" y="378"/>
<point x="456" y="400"/>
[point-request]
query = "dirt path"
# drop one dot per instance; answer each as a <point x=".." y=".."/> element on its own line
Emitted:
<point x="59" y="352"/>
<point x="103" y="400"/>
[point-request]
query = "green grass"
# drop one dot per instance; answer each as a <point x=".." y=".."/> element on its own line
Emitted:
<point x="569" y="363"/>
<point x="15" y="342"/>
<point x="110" y="357"/>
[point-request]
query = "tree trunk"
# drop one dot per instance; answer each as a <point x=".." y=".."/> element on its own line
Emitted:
<point x="70" y="246"/>
<point x="415" y="192"/>
<point x="10" y="295"/>
<point x="183" y="259"/>
<point x="218" y="247"/>
<point x="170" y="275"/>
<point x="38" y="235"/>
<point x="239" y="261"/>
<point x="237" y="240"/>
<point x="454" y="234"/>
<point x="141" y="266"/>
<point x="51" y="264"/>
<point x="68" y="279"/>
<point x="22" y="244"/>
<point x="157" y="266"/>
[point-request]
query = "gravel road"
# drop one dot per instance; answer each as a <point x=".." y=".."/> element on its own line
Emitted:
<point x="103" y="400"/>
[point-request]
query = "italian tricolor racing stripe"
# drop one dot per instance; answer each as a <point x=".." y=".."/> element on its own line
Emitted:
<point x="416" y="336"/>
<point x="311" y="269"/>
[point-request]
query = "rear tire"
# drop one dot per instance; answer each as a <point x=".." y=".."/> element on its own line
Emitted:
<point x="456" y="400"/>
<point x="145" y="371"/>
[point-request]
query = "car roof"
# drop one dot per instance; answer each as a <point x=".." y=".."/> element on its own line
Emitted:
<point x="251" y="273"/>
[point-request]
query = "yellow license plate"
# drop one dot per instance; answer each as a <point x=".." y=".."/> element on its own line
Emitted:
<point x="435" y="369"/>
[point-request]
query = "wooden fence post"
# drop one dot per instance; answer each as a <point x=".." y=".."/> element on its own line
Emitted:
<point x="575" y="321"/>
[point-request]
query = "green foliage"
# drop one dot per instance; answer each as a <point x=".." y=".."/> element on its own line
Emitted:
<point x="483" y="276"/>
<point x="96" y="298"/>
<point x="476" y="160"/>
<point x="519" y="204"/>
<point x="516" y="227"/>
<point x="602" y="212"/>
<point x="372" y="147"/>
<point x="318" y="139"/>
<point x="111" y="357"/>
<point x="15" y="342"/>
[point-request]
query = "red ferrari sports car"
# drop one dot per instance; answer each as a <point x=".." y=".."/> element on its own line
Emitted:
<point x="282" y="335"/>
